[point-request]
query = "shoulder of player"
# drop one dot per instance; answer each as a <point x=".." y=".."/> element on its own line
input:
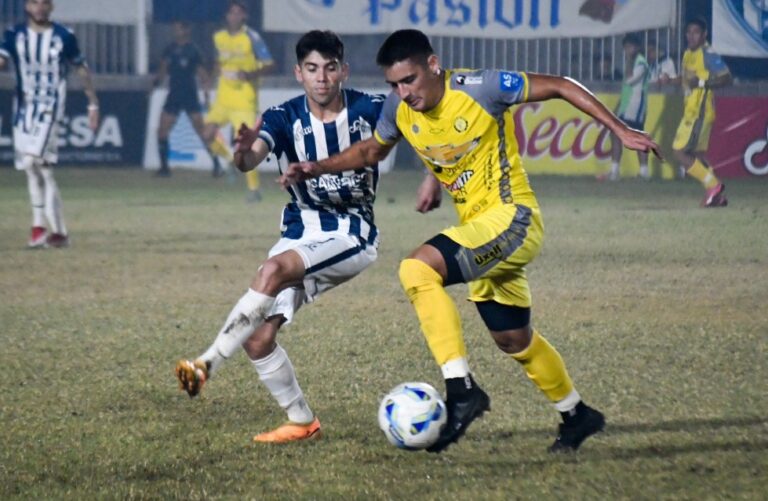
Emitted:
<point x="63" y="31"/>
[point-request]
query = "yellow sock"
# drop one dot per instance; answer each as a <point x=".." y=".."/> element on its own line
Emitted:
<point x="545" y="367"/>
<point x="704" y="174"/>
<point x="252" y="178"/>
<point x="219" y="147"/>
<point x="437" y="313"/>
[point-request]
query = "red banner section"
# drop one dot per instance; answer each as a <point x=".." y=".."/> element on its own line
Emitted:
<point x="739" y="142"/>
<point x="555" y="138"/>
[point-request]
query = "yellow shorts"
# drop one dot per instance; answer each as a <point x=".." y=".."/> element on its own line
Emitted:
<point x="222" y="115"/>
<point x="495" y="247"/>
<point x="693" y="134"/>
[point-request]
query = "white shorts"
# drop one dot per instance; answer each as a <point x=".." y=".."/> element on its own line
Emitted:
<point x="329" y="259"/>
<point x="35" y="137"/>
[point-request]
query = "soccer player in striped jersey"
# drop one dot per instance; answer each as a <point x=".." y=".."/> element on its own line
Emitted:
<point x="328" y="234"/>
<point x="461" y="124"/>
<point x="42" y="52"/>
<point x="633" y="105"/>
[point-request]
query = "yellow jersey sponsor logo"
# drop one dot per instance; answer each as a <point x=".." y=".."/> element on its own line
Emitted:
<point x="447" y="154"/>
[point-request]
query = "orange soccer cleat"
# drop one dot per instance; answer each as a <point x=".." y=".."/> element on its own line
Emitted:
<point x="291" y="432"/>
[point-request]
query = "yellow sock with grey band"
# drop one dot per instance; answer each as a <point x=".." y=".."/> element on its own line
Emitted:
<point x="252" y="179"/>
<point x="704" y="174"/>
<point x="545" y="367"/>
<point x="437" y="313"/>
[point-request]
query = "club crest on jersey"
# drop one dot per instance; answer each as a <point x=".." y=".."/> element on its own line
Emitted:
<point x="460" y="124"/>
<point x="447" y="154"/>
<point x="510" y="82"/>
<point x="360" y="125"/>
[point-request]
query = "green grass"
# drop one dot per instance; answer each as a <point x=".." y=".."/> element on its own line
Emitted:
<point x="659" y="308"/>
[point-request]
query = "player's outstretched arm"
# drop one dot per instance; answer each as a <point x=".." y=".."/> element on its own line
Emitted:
<point x="250" y="149"/>
<point x="90" y="93"/>
<point x="544" y="87"/>
<point x="360" y="154"/>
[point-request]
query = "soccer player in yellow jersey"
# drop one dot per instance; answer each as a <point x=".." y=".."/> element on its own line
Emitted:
<point x="460" y="123"/>
<point x="702" y="71"/>
<point x="242" y="55"/>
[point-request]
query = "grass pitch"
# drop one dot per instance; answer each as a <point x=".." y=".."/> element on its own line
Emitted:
<point x="658" y="307"/>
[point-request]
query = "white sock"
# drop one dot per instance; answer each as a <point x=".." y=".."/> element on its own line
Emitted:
<point x="569" y="402"/>
<point x="614" y="170"/>
<point x="644" y="173"/>
<point x="53" y="210"/>
<point x="247" y="315"/>
<point x="458" y="367"/>
<point x="36" y="196"/>
<point x="276" y="372"/>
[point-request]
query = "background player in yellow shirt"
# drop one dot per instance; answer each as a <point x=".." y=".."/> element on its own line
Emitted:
<point x="702" y="71"/>
<point x="241" y="56"/>
<point x="460" y="123"/>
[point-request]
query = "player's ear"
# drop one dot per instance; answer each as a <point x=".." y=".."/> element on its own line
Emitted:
<point x="433" y="64"/>
<point x="297" y="73"/>
<point x="344" y="71"/>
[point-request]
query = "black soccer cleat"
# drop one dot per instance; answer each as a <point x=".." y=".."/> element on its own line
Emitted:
<point x="462" y="410"/>
<point x="571" y="434"/>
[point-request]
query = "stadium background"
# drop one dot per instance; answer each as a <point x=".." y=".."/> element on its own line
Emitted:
<point x="123" y="44"/>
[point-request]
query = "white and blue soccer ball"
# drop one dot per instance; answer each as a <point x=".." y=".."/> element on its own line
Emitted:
<point x="412" y="415"/>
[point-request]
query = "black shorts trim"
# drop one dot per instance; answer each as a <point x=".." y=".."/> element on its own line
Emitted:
<point x="449" y="249"/>
<point x="503" y="317"/>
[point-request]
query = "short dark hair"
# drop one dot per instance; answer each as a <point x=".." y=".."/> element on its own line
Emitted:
<point x="402" y="45"/>
<point x="698" y="21"/>
<point x="325" y="42"/>
<point x="238" y="3"/>
<point x="631" y="38"/>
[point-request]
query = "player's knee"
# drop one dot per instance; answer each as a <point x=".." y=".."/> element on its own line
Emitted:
<point x="509" y="325"/>
<point x="416" y="275"/>
<point x="513" y="341"/>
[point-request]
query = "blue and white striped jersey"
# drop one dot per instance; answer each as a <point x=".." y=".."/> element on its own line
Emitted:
<point x="41" y="61"/>
<point x="331" y="202"/>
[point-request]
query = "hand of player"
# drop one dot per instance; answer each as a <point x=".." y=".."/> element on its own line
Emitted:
<point x="639" y="141"/>
<point x="244" y="143"/>
<point x="693" y="82"/>
<point x="429" y="195"/>
<point x="299" y="172"/>
<point x="664" y="79"/>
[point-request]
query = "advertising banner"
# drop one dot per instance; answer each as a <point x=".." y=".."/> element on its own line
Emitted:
<point x="186" y="150"/>
<point x="119" y="139"/>
<point x="471" y="18"/>
<point x="739" y="143"/>
<point x="556" y="138"/>
<point x="740" y="27"/>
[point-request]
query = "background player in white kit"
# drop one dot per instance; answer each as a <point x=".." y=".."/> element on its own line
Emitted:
<point x="328" y="234"/>
<point x="42" y="52"/>
<point x="633" y="104"/>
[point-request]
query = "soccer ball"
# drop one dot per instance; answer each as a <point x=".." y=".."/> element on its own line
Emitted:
<point x="412" y="415"/>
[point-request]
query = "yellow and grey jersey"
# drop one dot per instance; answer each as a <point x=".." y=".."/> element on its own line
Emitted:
<point x="468" y="140"/>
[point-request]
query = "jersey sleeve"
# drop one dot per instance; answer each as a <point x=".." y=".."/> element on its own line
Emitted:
<point x="275" y="130"/>
<point x="714" y="64"/>
<point x="505" y="87"/>
<point x="259" y="47"/>
<point x="72" y="49"/>
<point x="386" y="126"/>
